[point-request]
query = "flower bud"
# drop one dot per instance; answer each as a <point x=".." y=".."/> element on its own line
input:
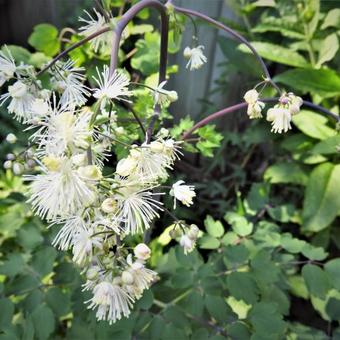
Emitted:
<point x="10" y="157"/>
<point x="109" y="205"/>
<point x="125" y="166"/>
<point x="193" y="232"/>
<point x="7" y="165"/>
<point x="187" y="53"/>
<point x="18" y="168"/>
<point x="11" y="138"/>
<point x="251" y="96"/>
<point x="90" y="172"/>
<point x="127" y="277"/>
<point x="142" y="251"/>
<point x="156" y="147"/>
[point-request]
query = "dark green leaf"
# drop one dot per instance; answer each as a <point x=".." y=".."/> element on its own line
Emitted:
<point x="316" y="280"/>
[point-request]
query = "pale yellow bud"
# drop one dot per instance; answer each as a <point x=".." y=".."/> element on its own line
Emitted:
<point x="90" y="172"/>
<point x="142" y="251"/>
<point x="52" y="163"/>
<point x="109" y="205"/>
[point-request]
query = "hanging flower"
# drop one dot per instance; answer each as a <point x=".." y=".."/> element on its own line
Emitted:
<point x="142" y="251"/>
<point x="196" y="57"/>
<point x="111" y="301"/>
<point x="92" y="25"/>
<point x="255" y="106"/>
<point x="164" y="97"/>
<point x="183" y="193"/>
<point x="188" y="240"/>
<point x="69" y="82"/>
<point x="7" y="66"/>
<point x="21" y="101"/>
<point x="280" y="118"/>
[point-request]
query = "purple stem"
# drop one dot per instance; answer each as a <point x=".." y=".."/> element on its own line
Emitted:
<point x="243" y="105"/>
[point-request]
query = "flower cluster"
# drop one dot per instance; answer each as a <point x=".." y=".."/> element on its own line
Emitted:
<point x="69" y="146"/>
<point x="280" y="115"/>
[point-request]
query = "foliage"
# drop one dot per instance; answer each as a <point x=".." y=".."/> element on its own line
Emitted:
<point x="267" y="265"/>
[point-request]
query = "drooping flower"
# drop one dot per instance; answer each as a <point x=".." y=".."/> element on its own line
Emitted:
<point x="21" y="101"/>
<point x="183" y="193"/>
<point x="196" y="57"/>
<point x="69" y="82"/>
<point x="280" y="118"/>
<point x="83" y="243"/>
<point x="164" y="97"/>
<point x="59" y="192"/>
<point x="254" y="105"/>
<point x="187" y="243"/>
<point x="113" y="86"/>
<point x="7" y="66"/>
<point x="111" y="302"/>
<point x="92" y="25"/>
<point x="295" y="103"/>
<point x="136" y="208"/>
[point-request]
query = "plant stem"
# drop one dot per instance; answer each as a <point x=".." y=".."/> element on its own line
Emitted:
<point x="243" y="105"/>
<point x="71" y="48"/>
<point x="234" y="34"/>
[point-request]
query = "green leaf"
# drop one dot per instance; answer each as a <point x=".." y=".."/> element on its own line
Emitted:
<point x="332" y="268"/>
<point x="29" y="236"/>
<point x="217" y="307"/>
<point x="45" y="39"/>
<point x="241" y="226"/>
<point x="333" y="308"/>
<point x="7" y="311"/>
<point x="19" y="53"/>
<point x="288" y="32"/>
<point x="291" y="244"/>
<point x="316" y="280"/>
<point x="277" y="53"/>
<point x="59" y="301"/>
<point x="298" y="286"/>
<point x="43" y="260"/>
<point x="313" y="125"/>
<point x="328" y="49"/>
<point x="214" y="228"/>
<point x="327" y="146"/>
<point x="239" y="307"/>
<point x="264" y="269"/>
<point x="322" y="199"/>
<point x="209" y="242"/>
<point x="314" y="253"/>
<point x="38" y="59"/>
<point x="286" y="173"/>
<point x="43" y="321"/>
<point x="238" y="331"/>
<point x="282" y="213"/>
<point x="242" y="286"/>
<point x="209" y="139"/>
<point x="332" y="19"/>
<point x="324" y="82"/>
<point x="13" y="265"/>
<point x="146" y="59"/>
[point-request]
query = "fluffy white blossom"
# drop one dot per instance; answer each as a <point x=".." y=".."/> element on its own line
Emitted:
<point x="92" y="25"/>
<point x="182" y="192"/>
<point x="136" y="208"/>
<point x="59" y="191"/>
<point x="196" y="57"/>
<point x="62" y="130"/>
<point x="255" y="106"/>
<point x="111" y="87"/>
<point x="7" y="66"/>
<point x="280" y="118"/>
<point x="111" y="301"/>
<point x="40" y="108"/>
<point x="21" y="101"/>
<point x="69" y="82"/>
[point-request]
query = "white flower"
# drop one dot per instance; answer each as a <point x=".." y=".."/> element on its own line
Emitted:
<point x="126" y="166"/>
<point x="40" y="108"/>
<point x="187" y="243"/>
<point x="136" y="208"/>
<point x="69" y="82"/>
<point x="71" y="226"/>
<point x="111" y="300"/>
<point x="11" y="138"/>
<point x="83" y="243"/>
<point x="142" y="251"/>
<point x="193" y="232"/>
<point x="111" y="87"/>
<point x="109" y="205"/>
<point x="195" y="56"/>
<point x="164" y="97"/>
<point x="183" y="193"/>
<point x="254" y="105"/>
<point x="90" y="172"/>
<point x="93" y="25"/>
<point x="280" y="118"/>
<point x="63" y="129"/>
<point x="60" y="192"/>
<point x="7" y="66"/>
<point x="141" y="278"/>
<point x="21" y="101"/>
<point x="295" y="103"/>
